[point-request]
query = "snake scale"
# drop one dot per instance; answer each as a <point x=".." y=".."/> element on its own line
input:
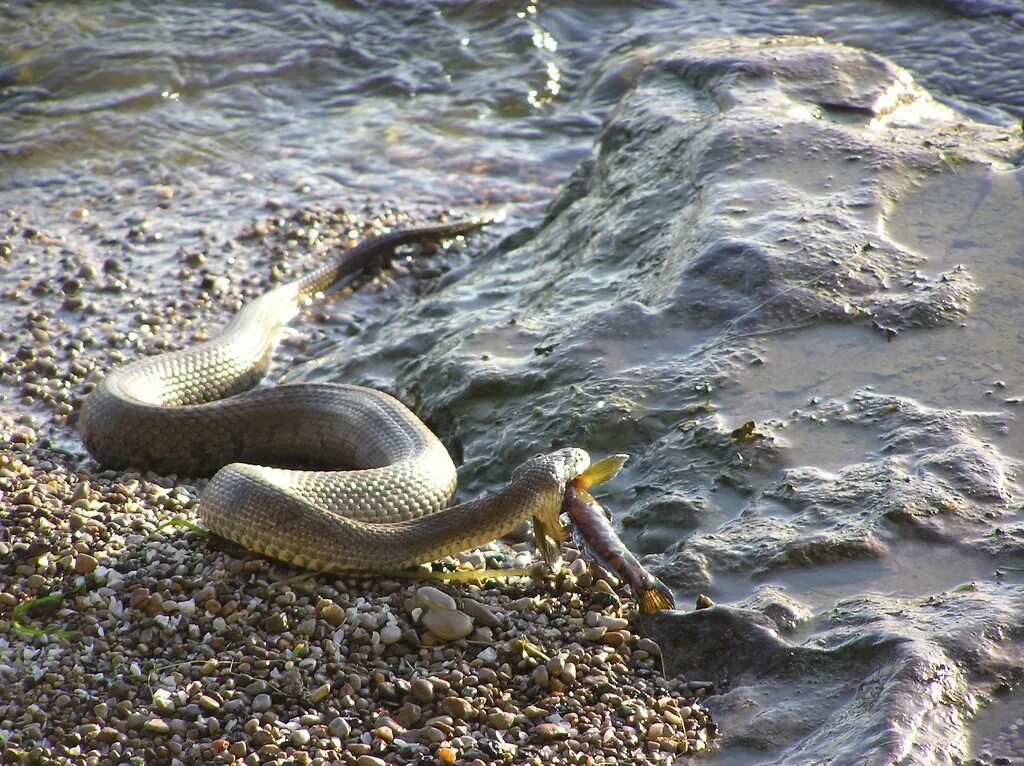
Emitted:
<point x="381" y="502"/>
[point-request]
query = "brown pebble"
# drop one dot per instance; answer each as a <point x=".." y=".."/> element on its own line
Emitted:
<point x="421" y="690"/>
<point x="548" y="732"/>
<point x="333" y="614"/>
<point x="703" y="602"/>
<point x="277" y="622"/>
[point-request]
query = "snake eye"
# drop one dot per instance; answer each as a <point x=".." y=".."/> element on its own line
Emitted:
<point x="539" y="454"/>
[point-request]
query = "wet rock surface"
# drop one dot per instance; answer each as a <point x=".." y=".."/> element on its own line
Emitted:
<point x="739" y="192"/>
<point x="882" y="678"/>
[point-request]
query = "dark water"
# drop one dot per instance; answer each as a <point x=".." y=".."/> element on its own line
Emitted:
<point x="449" y="103"/>
<point x="187" y="119"/>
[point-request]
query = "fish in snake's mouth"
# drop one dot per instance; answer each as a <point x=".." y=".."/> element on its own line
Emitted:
<point x="559" y="468"/>
<point x="572" y="465"/>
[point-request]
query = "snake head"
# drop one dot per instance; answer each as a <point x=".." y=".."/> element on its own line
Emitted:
<point x="547" y="476"/>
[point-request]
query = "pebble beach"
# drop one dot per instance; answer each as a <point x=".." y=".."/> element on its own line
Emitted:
<point x="166" y="645"/>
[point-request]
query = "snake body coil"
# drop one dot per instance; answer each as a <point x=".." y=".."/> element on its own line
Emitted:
<point x="195" y="412"/>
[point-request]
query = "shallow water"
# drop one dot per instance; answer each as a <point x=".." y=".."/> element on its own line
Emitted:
<point x="182" y="123"/>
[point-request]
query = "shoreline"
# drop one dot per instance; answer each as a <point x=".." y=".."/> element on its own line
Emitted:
<point x="190" y="650"/>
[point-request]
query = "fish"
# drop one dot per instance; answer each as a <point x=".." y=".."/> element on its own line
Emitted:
<point x="597" y="540"/>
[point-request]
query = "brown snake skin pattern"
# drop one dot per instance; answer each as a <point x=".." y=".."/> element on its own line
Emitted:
<point x="195" y="412"/>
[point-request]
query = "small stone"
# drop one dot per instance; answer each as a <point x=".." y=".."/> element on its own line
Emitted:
<point x="339" y="728"/>
<point x="540" y="676"/>
<point x="206" y="702"/>
<point x="448" y="625"/>
<point x="300" y="737"/>
<point x="390" y="634"/>
<point x="334" y="614"/>
<point x="549" y="732"/>
<point x="85" y="564"/>
<point x="277" y="623"/>
<point x="262" y="737"/>
<point x="579" y="567"/>
<point x="522" y="604"/>
<point x="441" y="686"/>
<point x="320" y="692"/>
<point x="649" y="646"/>
<point x="500" y="720"/>
<point x="473" y="559"/>
<point x="614" y="623"/>
<point x="370" y="760"/>
<point x="595" y="633"/>
<point x="459" y="708"/>
<point x="446" y="755"/>
<point x="569" y="673"/>
<point x="434" y="734"/>
<point x="157" y="726"/>
<point x="409" y="714"/>
<point x="422" y="691"/>
<point x="480" y="613"/>
<point x="703" y="602"/>
<point x="615" y="638"/>
<point x="434" y="599"/>
<point x="261" y="703"/>
<point x="163" y="701"/>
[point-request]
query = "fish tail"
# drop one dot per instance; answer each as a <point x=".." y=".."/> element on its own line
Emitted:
<point x="600" y="472"/>
<point x="657" y="598"/>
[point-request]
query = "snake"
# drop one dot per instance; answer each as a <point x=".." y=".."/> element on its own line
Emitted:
<point x="376" y="497"/>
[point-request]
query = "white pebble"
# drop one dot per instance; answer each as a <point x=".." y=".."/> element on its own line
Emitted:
<point x="448" y="625"/>
<point x="433" y="598"/>
<point x="390" y="634"/>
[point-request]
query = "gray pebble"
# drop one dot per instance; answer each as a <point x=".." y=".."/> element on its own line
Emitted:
<point x="261" y="703"/>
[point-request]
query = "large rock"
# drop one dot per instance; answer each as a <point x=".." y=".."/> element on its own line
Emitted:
<point x="740" y="190"/>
